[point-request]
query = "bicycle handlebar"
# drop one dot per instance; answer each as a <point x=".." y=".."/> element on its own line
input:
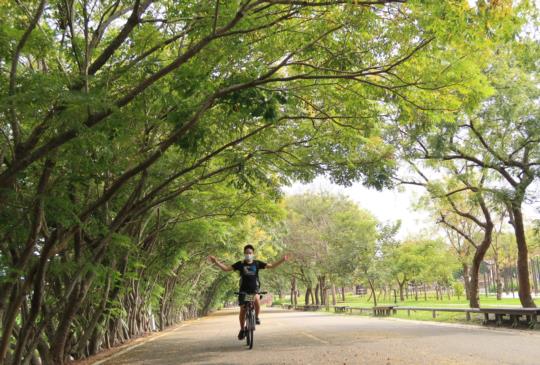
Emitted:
<point x="243" y="292"/>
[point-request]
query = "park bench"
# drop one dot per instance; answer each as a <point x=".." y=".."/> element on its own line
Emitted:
<point x="341" y="308"/>
<point x="312" y="308"/>
<point x="383" y="311"/>
<point x="434" y="310"/>
<point x="362" y="309"/>
<point x="307" y="308"/>
<point x="513" y="313"/>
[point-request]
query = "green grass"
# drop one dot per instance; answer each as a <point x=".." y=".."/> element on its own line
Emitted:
<point x="361" y="301"/>
<point x="423" y="316"/>
<point x="491" y="301"/>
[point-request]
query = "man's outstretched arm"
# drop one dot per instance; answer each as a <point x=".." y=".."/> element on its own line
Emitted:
<point x="219" y="264"/>
<point x="277" y="263"/>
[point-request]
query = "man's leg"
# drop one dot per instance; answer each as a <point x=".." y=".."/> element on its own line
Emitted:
<point x="242" y="316"/>
<point x="257" y="306"/>
<point x="242" y="334"/>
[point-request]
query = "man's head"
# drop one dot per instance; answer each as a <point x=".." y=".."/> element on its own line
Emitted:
<point x="249" y="253"/>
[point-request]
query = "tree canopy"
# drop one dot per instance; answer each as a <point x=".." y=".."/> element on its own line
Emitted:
<point x="139" y="135"/>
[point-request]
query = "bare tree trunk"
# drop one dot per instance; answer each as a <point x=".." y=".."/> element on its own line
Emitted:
<point x="505" y="279"/>
<point x="343" y="293"/>
<point x="537" y="265"/>
<point x="524" y="285"/>
<point x="486" y="284"/>
<point x="512" y="282"/>
<point x="373" y="293"/>
<point x="323" y="290"/>
<point x="309" y="295"/>
<point x="293" y="291"/>
<point x="333" y="294"/>
<point x="534" y="276"/>
<point x="466" y="280"/>
<point x="401" y="285"/>
<point x="317" y="290"/>
<point x="498" y="282"/>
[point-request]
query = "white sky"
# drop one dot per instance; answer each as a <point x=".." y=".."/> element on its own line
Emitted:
<point x="388" y="205"/>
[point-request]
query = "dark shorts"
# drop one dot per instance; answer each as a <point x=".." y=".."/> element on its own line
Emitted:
<point x="241" y="299"/>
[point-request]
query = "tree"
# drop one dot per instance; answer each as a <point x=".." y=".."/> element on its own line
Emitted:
<point x="119" y="119"/>
<point x="330" y="238"/>
<point x="500" y="140"/>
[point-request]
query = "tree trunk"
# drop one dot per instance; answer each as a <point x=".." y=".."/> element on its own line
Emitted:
<point x="505" y="279"/>
<point x="334" y="295"/>
<point x="537" y="265"/>
<point x="498" y="282"/>
<point x="534" y="276"/>
<point x="293" y="291"/>
<point x="512" y="282"/>
<point x="524" y="285"/>
<point x="401" y="286"/>
<point x="474" y="300"/>
<point x="309" y="294"/>
<point x="486" y="284"/>
<point x="373" y="293"/>
<point x="323" y="290"/>
<point x="317" y="290"/>
<point x="343" y="293"/>
<point x="466" y="280"/>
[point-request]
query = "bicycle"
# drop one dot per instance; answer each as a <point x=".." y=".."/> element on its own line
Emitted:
<point x="250" y="320"/>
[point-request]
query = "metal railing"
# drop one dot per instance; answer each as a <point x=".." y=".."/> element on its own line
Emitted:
<point x="515" y="314"/>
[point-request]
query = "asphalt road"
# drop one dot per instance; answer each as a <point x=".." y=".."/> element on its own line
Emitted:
<point x="287" y="337"/>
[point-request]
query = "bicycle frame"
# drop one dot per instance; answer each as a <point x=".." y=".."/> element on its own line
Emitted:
<point x="249" y="316"/>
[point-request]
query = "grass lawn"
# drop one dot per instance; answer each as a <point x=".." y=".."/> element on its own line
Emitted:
<point x="362" y="301"/>
<point x="490" y="301"/>
<point x="425" y="316"/>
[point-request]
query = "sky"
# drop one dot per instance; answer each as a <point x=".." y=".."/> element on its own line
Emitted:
<point x="386" y="205"/>
<point x="389" y="205"/>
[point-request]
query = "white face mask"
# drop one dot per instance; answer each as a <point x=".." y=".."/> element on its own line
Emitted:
<point x="249" y="258"/>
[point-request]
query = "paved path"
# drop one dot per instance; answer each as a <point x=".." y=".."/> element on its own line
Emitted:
<point x="287" y="337"/>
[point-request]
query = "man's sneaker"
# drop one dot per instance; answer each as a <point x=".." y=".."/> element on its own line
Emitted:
<point x="257" y="320"/>
<point x="241" y="334"/>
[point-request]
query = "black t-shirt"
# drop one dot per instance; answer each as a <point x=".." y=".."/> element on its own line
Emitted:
<point x="249" y="274"/>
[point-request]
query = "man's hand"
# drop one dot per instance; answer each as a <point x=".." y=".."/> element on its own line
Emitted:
<point x="215" y="261"/>
<point x="285" y="257"/>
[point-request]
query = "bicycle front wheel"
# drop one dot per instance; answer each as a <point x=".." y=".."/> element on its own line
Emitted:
<point x="251" y="338"/>
<point x="251" y="329"/>
<point x="248" y="337"/>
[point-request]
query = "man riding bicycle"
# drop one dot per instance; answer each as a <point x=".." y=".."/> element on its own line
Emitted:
<point x="249" y="280"/>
